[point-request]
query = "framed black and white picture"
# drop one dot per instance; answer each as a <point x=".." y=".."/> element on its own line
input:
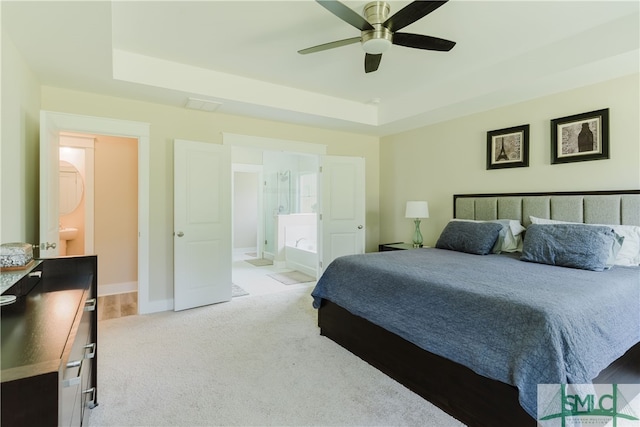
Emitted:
<point x="508" y="148"/>
<point x="580" y="137"/>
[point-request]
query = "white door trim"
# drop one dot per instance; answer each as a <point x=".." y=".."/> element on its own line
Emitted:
<point x="106" y="126"/>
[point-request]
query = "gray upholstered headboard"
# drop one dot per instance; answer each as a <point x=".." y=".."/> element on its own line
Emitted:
<point x="595" y="207"/>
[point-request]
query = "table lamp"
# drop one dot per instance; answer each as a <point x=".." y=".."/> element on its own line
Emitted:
<point x="417" y="210"/>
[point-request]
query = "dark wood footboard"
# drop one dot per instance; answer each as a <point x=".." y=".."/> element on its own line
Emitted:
<point x="471" y="398"/>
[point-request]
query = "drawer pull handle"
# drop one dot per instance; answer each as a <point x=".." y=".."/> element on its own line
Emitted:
<point x="90" y="305"/>
<point x="91" y="346"/>
<point x="37" y="274"/>
<point x="75" y="380"/>
<point x="74" y="364"/>
<point x="91" y="403"/>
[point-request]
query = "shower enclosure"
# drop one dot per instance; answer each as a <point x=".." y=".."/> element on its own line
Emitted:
<point x="290" y="204"/>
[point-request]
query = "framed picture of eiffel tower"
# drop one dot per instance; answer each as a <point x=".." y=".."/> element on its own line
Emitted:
<point x="508" y="148"/>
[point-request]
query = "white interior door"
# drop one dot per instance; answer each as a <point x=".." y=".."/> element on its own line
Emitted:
<point x="202" y="224"/>
<point x="49" y="233"/>
<point x="342" y="219"/>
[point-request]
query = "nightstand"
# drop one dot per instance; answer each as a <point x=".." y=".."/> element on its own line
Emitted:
<point x="398" y="246"/>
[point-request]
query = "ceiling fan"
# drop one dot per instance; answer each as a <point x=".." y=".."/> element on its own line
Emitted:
<point x="378" y="29"/>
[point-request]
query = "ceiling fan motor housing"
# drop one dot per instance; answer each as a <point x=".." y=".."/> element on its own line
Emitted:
<point x="378" y="31"/>
<point x="378" y="40"/>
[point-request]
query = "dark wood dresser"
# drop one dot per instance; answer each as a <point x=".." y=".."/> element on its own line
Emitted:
<point x="50" y="344"/>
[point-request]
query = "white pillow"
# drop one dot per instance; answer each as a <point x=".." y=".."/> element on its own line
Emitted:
<point x="509" y="239"/>
<point x="629" y="253"/>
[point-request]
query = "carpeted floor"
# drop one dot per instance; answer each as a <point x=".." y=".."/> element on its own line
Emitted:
<point x="252" y="361"/>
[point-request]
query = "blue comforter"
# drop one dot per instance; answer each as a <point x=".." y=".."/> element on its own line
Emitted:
<point x="517" y="322"/>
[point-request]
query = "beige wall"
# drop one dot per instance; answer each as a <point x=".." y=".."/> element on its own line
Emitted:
<point x="116" y="209"/>
<point x="169" y="123"/>
<point x="435" y="162"/>
<point x="245" y="210"/>
<point x="19" y="149"/>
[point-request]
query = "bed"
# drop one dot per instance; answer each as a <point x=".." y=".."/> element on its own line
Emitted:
<point x="478" y="337"/>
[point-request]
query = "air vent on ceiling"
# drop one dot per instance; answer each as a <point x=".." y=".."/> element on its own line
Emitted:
<point x="202" y="105"/>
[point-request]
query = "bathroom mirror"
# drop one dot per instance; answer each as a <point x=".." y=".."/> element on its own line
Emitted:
<point x="71" y="188"/>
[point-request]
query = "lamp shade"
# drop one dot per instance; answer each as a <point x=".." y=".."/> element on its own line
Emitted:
<point x="416" y="209"/>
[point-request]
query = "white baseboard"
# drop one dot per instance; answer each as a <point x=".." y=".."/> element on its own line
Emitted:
<point x="117" y="288"/>
<point x="156" y="306"/>
<point x="268" y="255"/>
<point x="301" y="268"/>
<point x="240" y="251"/>
<point x="143" y="307"/>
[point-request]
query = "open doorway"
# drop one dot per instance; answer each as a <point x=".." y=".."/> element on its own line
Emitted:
<point x="339" y="189"/>
<point x="52" y="126"/>
<point x="99" y="214"/>
<point x="275" y="222"/>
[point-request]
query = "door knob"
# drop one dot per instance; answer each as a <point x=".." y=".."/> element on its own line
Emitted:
<point x="360" y="227"/>
<point x="47" y="245"/>
<point x="179" y="234"/>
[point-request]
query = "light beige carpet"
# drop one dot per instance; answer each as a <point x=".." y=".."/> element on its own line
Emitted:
<point x="292" y="277"/>
<point x="253" y="361"/>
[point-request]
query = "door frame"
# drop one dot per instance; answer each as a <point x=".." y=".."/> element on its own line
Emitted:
<point x="64" y="122"/>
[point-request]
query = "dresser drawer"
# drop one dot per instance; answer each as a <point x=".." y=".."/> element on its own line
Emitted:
<point x="76" y="376"/>
<point x="23" y="286"/>
<point x="49" y="344"/>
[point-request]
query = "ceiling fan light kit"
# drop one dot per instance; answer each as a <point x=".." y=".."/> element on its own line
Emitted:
<point x="376" y="43"/>
<point x="378" y="40"/>
<point x="377" y="29"/>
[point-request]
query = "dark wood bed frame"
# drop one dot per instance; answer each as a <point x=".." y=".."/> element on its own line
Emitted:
<point x="471" y="398"/>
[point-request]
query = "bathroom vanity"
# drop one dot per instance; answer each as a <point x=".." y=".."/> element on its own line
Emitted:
<point x="49" y="343"/>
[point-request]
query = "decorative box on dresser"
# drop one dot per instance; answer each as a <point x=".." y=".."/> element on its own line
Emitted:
<point x="50" y="343"/>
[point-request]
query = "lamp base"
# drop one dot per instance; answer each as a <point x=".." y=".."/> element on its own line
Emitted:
<point x="417" y="236"/>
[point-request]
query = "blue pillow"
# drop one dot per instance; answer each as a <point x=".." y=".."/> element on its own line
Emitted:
<point x="586" y="247"/>
<point x="470" y="237"/>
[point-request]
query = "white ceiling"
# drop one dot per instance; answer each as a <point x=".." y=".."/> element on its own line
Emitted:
<point x="243" y="54"/>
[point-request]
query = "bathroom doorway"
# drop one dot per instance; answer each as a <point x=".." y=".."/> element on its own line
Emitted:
<point x="274" y="219"/>
<point x="99" y="206"/>
<point x="52" y="126"/>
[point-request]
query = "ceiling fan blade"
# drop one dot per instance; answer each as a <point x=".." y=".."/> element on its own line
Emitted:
<point x="371" y="62"/>
<point x="420" y="41"/>
<point x="411" y="13"/>
<point x="330" y="45"/>
<point x="347" y="15"/>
